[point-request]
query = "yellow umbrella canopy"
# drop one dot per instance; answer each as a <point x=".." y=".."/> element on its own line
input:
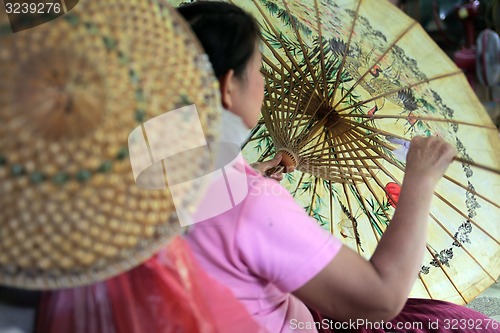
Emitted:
<point x="348" y="84"/>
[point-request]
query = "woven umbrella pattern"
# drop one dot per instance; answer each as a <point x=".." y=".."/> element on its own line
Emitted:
<point x="71" y="92"/>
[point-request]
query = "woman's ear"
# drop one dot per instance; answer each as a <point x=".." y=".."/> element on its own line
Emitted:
<point x="226" y="83"/>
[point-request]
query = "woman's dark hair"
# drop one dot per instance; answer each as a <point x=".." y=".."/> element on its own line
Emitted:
<point x="227" y="33"/>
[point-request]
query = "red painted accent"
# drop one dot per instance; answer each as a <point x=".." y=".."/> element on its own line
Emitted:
<point x="392" y="191"/>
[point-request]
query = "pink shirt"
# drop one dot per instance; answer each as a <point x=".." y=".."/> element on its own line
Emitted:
<point x="263" y="249"/>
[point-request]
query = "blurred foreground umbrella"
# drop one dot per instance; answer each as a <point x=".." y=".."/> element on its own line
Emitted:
<point x="348" y="84"/>
<point x="72" y="91"/>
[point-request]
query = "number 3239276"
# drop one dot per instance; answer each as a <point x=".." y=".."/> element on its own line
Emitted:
<point x="33" y="8"/>
<point x="476" y="324"/>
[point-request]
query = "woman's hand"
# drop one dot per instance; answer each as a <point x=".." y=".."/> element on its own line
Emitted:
<point x="262" y="167"/>
<point x="428" y="158"/>
<point x="350" y="287"/>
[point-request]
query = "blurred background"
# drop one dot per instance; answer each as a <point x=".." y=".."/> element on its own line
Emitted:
<point x="467" y="30"/>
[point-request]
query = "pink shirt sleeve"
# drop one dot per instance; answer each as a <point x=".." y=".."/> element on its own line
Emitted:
<point x="278" y="241"/>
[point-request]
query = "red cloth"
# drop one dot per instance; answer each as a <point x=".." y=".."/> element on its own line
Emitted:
<point x="167" y="294"/>
<point x="419" y="316"/>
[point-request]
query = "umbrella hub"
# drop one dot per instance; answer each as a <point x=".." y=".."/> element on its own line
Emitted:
<point x="289" y="159"/>
<point x="327" y="116"/>
<point x="319" y="108"/>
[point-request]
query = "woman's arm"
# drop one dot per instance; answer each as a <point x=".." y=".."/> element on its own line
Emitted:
<point x="351" y="287"/>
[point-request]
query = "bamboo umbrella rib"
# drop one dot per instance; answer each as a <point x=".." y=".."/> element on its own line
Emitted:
<point x="456" y="159"/>
<point x="304" y="51"/>
<point x="312" y="154"/>
<point x="394" y="91"/>
<point x="462" y="246"/>
<point x="266" y="153"/>
<point x="445" y="272"/>
<point x="332" y="163"/>
<point x="280" y="115"/>
<point x="284" y="108"/>
<point x="320" y="37"/>
<point x="376" y="130"/>
<point x="437" y="260"/>
<point x="347" y="130"/>
<point x="309" y="65"/>
<point x="298" y="184"/>
<point x="372" y="191"/>
<point x="313" y="196"/>
<point x="351" y="217"/>
<point x="369" y="157"/>
<point x="343" y="120"/>
<point x="277" y="35"/>
<point x="344" y="56"/>
<point x="316" y="128"/>
<point x="341" y="180"/>
<point x="273" y="118"/>
<point x="273" y="70"/>
<point x="368" y="183"/>
<point x="280" y="108"/>
<point x="381" y="167"/>
<point x="477" y="165"/>
<point x="267" y="118"/>
<point x="295" y="80"/>
<point x="421" y="279"/>
<point x="466" y="217"/>
<point x="377" y="180"/>
<point x="376" y="140"/>
<point x="311" y="117"/>
<point x="290" y="97"/>
<point x="254" y="131"/>
<point x="275" y="92"/>
<point x="256" y="138"/>
<point x="349" y="177"/>
<point x="277" y="126"/>
<point x="327" y="161"/>
<point x="343" y="170"/>
<point x="438" y="196"/>
<point x="371" y="147"/>
<point x="331" y="206"/>
<point x="446" y="177"/>
<point x="364" y="205"/>
<point x="319" y="133"/>
<point x="296" y="109"/>
<point x="362" y="138"/>
<point x="334" y="147"/>
<point x="472" y="191"/>
<point x="413" y="24"/>
<point x="335" y="175"/>
<point x="449" y="121"/>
